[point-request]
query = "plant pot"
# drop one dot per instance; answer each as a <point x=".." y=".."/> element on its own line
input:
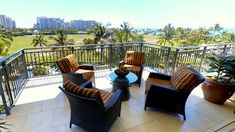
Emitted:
<point x="217" y="92"/>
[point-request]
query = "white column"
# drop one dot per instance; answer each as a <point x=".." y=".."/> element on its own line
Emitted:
<point x="233" y="51"/>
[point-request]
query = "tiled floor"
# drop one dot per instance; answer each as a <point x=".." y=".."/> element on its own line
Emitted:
<point x="44" y="108"/>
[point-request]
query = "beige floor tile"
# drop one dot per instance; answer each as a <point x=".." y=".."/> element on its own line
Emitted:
<point x="198" y="120"/>
<point x="61" y="128"/>
<point x="16" y="123"/>
<point x="38" y="121"/>
<point x="61" y="116"/>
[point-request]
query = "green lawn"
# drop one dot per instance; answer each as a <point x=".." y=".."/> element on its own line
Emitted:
<point x="25" y="41"/>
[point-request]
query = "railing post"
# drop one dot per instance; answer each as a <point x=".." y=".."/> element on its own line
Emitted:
<point x="141" y="46"/>
<point x="175" y="60"/>
<point x="72" y="50"/>
<point x="7" y="109"/>
<point x="202" y="58"/>
<point x="24" y="63"/>
<point x="167" y="59"/>
<point x="6" y="80"/>
<point x="224" y="50"/>
<point x="110" y="56"/>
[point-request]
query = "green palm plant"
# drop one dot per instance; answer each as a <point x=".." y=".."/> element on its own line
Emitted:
<point x="5" y="40"/>
<point x="39" y="40"/>
<point x="126" y="30"/>
<point x="101" y="33"/>
<point x="167" y="34"/>
<point x="216" y="28"/>
<point x="61" y="39"/>
<point x="223" y="66"/>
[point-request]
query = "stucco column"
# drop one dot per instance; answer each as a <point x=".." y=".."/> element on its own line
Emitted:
<point x="233" y="51"/>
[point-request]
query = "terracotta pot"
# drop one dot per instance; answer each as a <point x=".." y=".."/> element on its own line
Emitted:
<point x="217" y="92"/>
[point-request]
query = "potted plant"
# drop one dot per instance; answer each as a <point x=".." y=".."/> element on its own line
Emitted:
<point x="220" y="85"/>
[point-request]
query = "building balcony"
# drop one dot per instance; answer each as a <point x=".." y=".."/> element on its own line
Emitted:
<point x="33" y="102"/>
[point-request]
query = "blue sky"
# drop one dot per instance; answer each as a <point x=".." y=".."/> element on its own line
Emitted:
<point x="139" y="13"/>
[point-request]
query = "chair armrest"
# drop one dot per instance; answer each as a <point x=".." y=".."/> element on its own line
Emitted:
<point x="86" y="66"/>
<point x="159" y="75"/>
<point x="87" y="84"/>
<point x="121" y="63"/>
<point x="114" y="99"/>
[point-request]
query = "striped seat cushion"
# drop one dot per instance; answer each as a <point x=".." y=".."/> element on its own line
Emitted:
<point x="156" y="81"/>
<point x="133" y="68"/>
<point x="86" y="74"/>
<point x="68" y="64"/>
<point x="184" y="78"/>
<point x="134" y="58"/>
<point x="102" y="97"/>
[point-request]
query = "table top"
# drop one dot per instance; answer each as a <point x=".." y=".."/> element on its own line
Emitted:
<point x="131" y="77"/>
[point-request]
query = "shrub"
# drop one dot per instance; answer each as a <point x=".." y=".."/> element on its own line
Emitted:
<point x="40" y="70"/>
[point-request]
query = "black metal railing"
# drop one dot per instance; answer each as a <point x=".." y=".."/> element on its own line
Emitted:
<point x="26" y="63"/>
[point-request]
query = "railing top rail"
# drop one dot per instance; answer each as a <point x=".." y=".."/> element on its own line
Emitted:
<point x="2" y="60"/>
<point x="70" y="46"/>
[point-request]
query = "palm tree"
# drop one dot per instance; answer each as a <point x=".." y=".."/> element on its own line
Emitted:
<point x="5" y="40"/>
<point x="39" y="41"/>
<point x="199" y="36"/>
<point x="100" y="33"/>
<point x="167" y="34"/>
<point x="216" y="28"/>
<point x="61" y="39"/>
<point x="127" y="31"/>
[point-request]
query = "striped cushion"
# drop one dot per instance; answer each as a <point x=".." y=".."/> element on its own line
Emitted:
<point x="134" y="58"/>
<point x="156" y="81"/>
<point x="105" y="96"/>
<point x="85" y="92"/>
<point x="64" y="65"/>
<point x="133" y="68"/>
<point x="73" y="62"/>
<point x="86" y="74"/>
<point x="184" y="79"/>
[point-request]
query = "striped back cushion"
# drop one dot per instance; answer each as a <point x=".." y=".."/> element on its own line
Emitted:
<point x="85" y="92"/>
<point x="184" y="78"/>
<point x="64" y="65"/>
<point x="134" y="58"/>
<point x="73" y="62"/>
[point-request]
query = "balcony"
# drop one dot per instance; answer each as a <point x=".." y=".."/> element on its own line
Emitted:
<point x="33" y="102"/>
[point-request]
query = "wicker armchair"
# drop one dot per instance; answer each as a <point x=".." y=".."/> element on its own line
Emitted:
<point x="70" y="70"/>
<point x="171" y="92"/>
<point x="90" y="113"/>
<point x="134" y="61"/>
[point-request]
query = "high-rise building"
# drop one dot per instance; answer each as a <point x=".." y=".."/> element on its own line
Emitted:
<point x="82" y="24"/>
<point x="57" y="23"/>
<point x="7" y="22"/>
<point x="49" y="23"/>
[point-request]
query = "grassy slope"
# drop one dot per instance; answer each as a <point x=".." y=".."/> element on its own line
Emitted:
<point x="25" y="41"/>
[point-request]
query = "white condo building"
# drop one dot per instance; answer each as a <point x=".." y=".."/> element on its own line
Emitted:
<point x="57" y="23"/>
<point x="7" y="22"/>
<point x="49" y="23"/>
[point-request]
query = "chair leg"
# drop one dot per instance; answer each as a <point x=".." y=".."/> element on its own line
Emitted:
<point x="70" y="125"/>
<point x="184" y="117"/>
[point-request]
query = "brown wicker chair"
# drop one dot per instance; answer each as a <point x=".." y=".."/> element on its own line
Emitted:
<point x="171" y="92"/>
<point x="134" y="61"/>
<point x="78" y="74"/>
